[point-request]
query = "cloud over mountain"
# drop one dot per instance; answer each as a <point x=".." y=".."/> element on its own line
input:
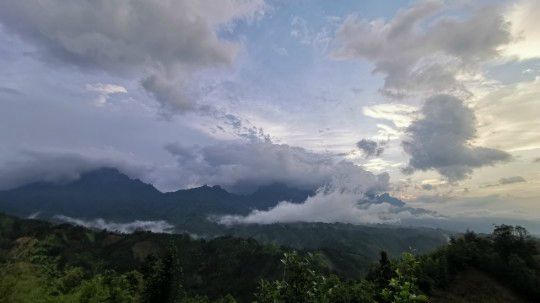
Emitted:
<point x="27" y="166"/>
<point x="441" y="140"/>
<point x="245" y="165"/>
<point x="342" y="200"/>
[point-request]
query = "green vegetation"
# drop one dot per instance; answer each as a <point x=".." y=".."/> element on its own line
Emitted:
<point x="304" y="281"/>
<point x="349" y="249"/>
<point x="42" y="262"/>
<point x="106" y="193"/>
<point x="508" y="257"/>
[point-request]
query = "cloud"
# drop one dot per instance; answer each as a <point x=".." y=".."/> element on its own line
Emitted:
<point x="9" y="91"/>
<point x="510" y="180"/>
<point x="104" y="91"/>
<point x="370" y="148"/>
<point x="242" y="128"/>
<point x="28" y="166"/>
<point x="164" y="41"/>
<point x="300" y="30"/>
<point x="441" y="140"/>
<point x="536" y="160"/>
<point x="174" y="94"/>
<point x="507" y="180"/>
<point x="159" y="226"/>
<point x="427" y="186"/>
<point x="526" y="26"/>
<point x="342" y="200"/>
<point x="423" y="48"/>
<point x="246" y="165"/>
<point x="280" y="50"/>
<point x="318" y="38"/>
<point x="509" y="115"/>
<point x="399" y="116"/>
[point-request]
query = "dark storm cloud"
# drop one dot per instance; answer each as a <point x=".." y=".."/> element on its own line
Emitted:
<point x="243" y="166"/>
<point x="162" y="41"/>
<point x="370" y="148"/>
<point x="441" y="140"/>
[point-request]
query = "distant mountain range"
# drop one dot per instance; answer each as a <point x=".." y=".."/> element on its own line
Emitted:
<point x="114" y="197"/>
<point x="109" y="194"/>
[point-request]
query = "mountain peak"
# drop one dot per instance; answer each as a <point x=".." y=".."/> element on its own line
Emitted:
<point x="105" y="175"/>
<point x="206" y="188"/>
<point x="389" y="199"/>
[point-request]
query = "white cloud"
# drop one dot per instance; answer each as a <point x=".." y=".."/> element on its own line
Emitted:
<point x="162" y="41"/>
<point x="523" y="16"/>
<point x="380" y="165"/>
<point x="508" y="117"/>
<point x="280" y="50"/>
<point x="400" y="115"/>
<point x="300" y="31"/>
<point x="424" y="49"/>
<point x="342" y="200"/>
<point x="243" y="166"/>
<point x="159" y="226"/>
<point x="104" y="91"/>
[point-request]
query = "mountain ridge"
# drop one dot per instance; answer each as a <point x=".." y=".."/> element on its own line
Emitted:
<point x="107" y="192"/>
<point x="108" y="199"/>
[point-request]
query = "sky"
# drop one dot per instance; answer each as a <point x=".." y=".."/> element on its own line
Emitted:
<point x="435" y="102"/>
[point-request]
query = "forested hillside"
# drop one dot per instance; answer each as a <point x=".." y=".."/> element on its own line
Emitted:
<point x="114" y="197"/>
<point x="42" y="262"/>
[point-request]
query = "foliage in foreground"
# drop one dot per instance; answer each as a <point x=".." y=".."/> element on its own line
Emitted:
<point x="304" y="281"/>
<point x="509" y="254"/>
<point x="44" y="263"/>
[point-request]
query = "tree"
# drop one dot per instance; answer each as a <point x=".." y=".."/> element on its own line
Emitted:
<point x="303" y="282"/>
<point x="403" y="288"/>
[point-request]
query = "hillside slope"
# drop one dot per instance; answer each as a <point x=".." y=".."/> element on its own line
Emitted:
<point x="32" y="248"/>
<point x="473" y="286"/>
<point x="119" y="200"/>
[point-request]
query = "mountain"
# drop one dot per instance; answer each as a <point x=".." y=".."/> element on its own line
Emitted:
<point x="105" y="193"/>
<point x="120" y="201"/>
<point x="109" y="194"/>
<point x="386" y="198"/>
<point x="266" y="197"/>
